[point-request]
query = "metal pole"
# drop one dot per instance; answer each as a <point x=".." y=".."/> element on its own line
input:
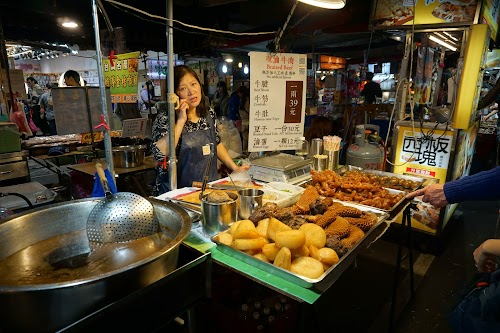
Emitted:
<point x="172" y="161"/>
<point x="102" y="89"/>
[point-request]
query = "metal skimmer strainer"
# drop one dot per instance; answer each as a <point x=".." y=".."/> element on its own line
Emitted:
<point x="120" y="217"/>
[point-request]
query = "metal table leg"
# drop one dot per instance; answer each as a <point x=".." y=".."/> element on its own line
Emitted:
<point x="406" y="224"/>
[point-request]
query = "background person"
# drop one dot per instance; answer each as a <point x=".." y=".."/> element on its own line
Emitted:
<point x="245" y="118"/>
<point x="320" y="127"/>
<point x="221" y="99"/>
<point x="47" y="107"/>
<point x="371" y="90"/>
<point x="34" y="94"/>
<point x="194" y="132"/>
<point x="72" y="78"/>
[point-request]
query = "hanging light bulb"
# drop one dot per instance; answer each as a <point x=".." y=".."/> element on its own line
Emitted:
<point x="240" y="65"/>
<point x="328" y="4"/>
<point x="224" y="68"/>
<point x="245" y="69"/>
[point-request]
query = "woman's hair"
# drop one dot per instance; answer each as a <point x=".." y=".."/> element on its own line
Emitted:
<point x="320" y="127"/>
<point x="181" y="71"/>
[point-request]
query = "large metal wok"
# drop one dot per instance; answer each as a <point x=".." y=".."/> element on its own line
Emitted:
<point x="47" y="278"/>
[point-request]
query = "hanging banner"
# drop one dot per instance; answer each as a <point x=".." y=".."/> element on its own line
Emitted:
<point x="157" y="69"/>
<point x="16" y="82"/>
<point x="390" y="13"/>
<point x="489" y="16"/>
<point x="327" y="62"/>
<point x="120" y="75"/>
<point x="277" y="100"/>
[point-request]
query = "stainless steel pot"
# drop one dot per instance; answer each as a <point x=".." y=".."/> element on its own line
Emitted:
<point x="218" y="216"/>
<point x="129" y="156"/>
<point x="53" y="293"/>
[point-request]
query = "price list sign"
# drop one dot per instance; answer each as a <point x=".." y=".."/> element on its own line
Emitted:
<point x="277" y="100"/>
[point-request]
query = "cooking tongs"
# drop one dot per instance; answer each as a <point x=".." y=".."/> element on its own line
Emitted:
<point x="207" y="171"/>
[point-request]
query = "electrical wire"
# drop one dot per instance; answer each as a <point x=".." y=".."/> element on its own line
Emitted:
<point x="160" y="23"/>
<point x="190" y="25"/>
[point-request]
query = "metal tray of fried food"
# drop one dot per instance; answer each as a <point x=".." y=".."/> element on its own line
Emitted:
<point x="329" y="276"/>
<point x="391" y="211"/>
<point x="397" y="181"/>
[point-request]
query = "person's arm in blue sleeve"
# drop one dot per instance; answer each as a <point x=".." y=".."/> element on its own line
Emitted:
<point x="481" y="186"/>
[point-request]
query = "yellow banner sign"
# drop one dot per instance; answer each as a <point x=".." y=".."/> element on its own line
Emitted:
<point x="424" y="12"/>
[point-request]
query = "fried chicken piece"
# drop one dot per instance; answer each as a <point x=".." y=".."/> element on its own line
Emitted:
<point x="218" y="197"/>
<point x="263" y="212"/>
<point x="284" y="214"/>
<point x="339" y="227"/>
<point x="333" y="242"/>
<point x="328" y="217"/>
<point x="296" y="221"/>
<point x="309" y="195"/>
<point x="355" y="235"/>
<point x="317" y="207"/>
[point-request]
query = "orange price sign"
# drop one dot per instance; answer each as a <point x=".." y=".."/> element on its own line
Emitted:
<point x="86" y="137"/>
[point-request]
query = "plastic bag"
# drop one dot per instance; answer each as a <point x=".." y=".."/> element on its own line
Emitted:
<point x="230" y="137"/>
<point x="18" y="117"/>
<point x="241" y="178"/>
<point x="32" y="125"/>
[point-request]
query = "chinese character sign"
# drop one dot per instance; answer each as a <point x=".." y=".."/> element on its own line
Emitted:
<point x="277" y="95"/>
<point x="424" y="154"/>
<point x="121" y="77"/>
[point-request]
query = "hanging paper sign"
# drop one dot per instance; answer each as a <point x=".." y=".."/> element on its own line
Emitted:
<point x="277" y="95"/>
<point x="134" y="127"/>
<point x="121" y="77"/>
<point x="157" y="68"/>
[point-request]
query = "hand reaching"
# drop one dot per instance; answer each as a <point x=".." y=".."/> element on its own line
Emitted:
<point x="433" y="194"/>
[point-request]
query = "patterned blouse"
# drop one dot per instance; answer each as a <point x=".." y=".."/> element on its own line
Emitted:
<point x="160" y="129"/>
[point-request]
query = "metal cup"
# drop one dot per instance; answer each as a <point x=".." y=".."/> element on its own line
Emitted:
<point x="316" y="147"/>
<point x="218" y="216"/>
<point x="333" y="159"/>
<point x="250" y="200"/>
<point x="319" y="162"/>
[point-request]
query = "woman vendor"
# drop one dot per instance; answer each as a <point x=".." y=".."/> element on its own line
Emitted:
<point x="194" y="131"/>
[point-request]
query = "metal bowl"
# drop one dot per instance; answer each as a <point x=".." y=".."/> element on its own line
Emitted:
<point x="129" y="156"/>
<point x="37" y="282"/>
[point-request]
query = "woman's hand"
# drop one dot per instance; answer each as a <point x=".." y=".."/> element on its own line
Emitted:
<point x="484" y="260"/>
<point x="242" y="168"/>
<point x="182" y="110"/>
<point x="433" y="194"/>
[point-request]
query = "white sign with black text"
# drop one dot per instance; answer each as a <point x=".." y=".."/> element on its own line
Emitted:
<point x="277" y="100"/>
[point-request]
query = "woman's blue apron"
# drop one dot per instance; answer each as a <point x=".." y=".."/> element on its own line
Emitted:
<point x="193" y="157"/>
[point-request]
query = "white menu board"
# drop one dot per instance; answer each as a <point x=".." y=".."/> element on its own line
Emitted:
<point x="277" y="100"/>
